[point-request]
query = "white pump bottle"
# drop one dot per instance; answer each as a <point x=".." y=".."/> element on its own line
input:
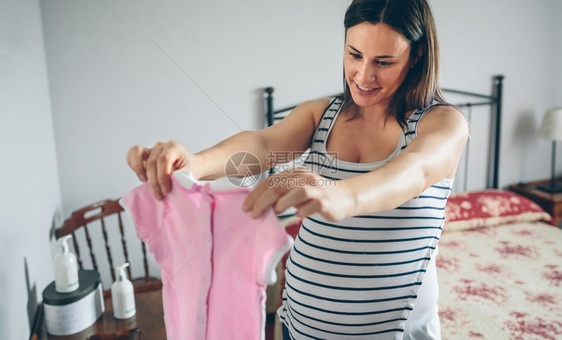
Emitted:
<point x="122" y="294"/>
<point x="66" y="268"/>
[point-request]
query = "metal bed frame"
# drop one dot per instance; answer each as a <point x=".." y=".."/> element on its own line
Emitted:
<point x="494" y="100"/>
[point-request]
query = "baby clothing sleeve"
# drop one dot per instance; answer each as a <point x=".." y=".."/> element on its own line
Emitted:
<point x="146" y="212"/>
<point x="271" y="244"/>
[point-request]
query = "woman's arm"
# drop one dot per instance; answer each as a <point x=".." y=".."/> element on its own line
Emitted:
<point x="432" y="156"/>
<point x="291" y="135"/>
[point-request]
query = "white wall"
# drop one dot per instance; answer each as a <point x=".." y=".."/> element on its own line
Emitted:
<point x="515" y="38"/>
<point x="28" y="176"/>
<point x="113" y="88"/>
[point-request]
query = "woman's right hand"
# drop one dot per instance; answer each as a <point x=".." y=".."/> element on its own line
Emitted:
<point x="157" y="164"/>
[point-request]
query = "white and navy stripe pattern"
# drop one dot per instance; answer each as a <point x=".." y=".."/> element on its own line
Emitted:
<point x="358" y="278"/>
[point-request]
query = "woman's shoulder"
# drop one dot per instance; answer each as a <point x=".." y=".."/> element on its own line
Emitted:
<point x="442" y="116"/>
<point x="320" y="104"/>
<point x="316" y="107"/>
<point x="444" y="111"/>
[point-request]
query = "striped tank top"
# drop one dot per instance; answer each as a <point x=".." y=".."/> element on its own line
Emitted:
<point x="358" y="278"/>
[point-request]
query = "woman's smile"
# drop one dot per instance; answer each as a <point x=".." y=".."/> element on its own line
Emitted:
<point x="366" y="91"/>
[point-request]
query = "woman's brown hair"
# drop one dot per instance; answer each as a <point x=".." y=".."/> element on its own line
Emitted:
<point x="414" y="20"/>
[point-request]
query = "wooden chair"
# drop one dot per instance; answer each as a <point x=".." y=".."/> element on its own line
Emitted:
<point x="98" y="212"/>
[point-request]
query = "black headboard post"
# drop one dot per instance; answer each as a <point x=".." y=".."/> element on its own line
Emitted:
<point x="269" y="103"/>
<point x="497" y="94"/>
<point x="495" y="102"/>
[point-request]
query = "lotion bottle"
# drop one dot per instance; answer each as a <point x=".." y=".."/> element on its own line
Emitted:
<point x="122" y="294"/>
<point x="66" y="268"/>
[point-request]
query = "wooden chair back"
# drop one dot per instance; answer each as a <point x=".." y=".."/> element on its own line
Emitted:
<point x="99" y="211"/>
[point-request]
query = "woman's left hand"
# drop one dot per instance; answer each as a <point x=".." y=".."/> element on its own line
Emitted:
<point x="309" y="193"/>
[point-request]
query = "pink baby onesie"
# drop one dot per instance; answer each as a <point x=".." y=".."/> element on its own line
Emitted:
<point x="215" y="259"/>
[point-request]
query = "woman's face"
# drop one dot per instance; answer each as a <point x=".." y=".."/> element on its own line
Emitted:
<point x="376" y="62"/>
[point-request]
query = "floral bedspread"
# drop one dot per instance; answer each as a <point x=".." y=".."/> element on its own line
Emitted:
<point x="501" y="282"/>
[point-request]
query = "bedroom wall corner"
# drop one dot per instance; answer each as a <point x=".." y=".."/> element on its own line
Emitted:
<point x="31" y="198"/>
<point x="481" y="38"/>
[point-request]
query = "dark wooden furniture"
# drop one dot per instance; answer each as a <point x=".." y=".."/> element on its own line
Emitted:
<point x="129" y="334"/>
<point x="551" y="203"/>
<point x="94" y="216"/>
<point x="149" y="320"/>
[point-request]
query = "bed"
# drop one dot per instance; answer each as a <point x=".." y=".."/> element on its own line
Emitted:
<point x="499" y="269"/>
<point x="500" y="255"/>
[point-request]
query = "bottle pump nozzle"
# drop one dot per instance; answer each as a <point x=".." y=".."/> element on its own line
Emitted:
<point x="63" y="244"/>
<point x="120" y="271"/>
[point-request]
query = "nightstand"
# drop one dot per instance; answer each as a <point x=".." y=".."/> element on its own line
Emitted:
<point x="551" y="203"/>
